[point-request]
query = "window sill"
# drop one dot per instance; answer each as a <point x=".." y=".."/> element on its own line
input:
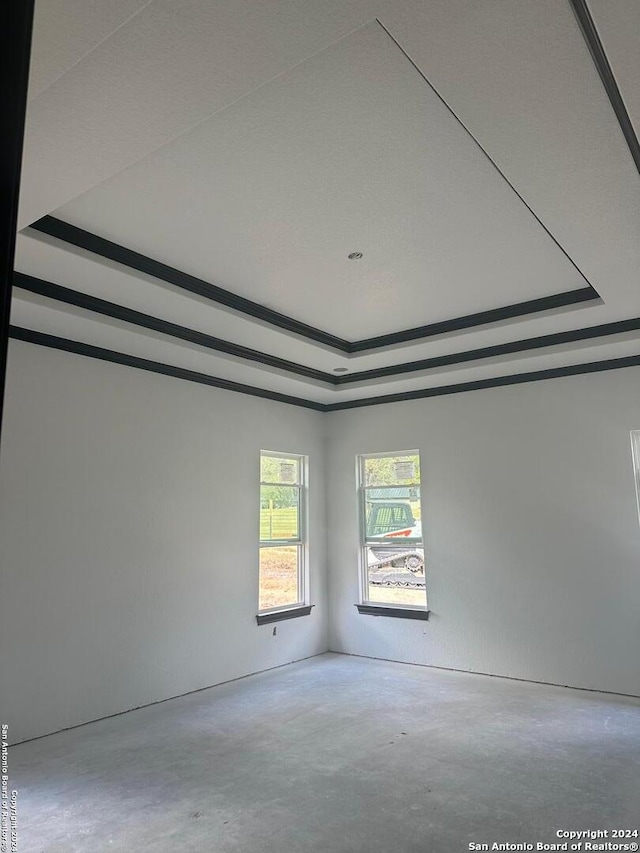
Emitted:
<point x="279" y="615"/>
<point x="396" y="612"/>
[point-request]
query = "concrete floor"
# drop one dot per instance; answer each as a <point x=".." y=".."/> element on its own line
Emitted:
<point x="336" y="753"/>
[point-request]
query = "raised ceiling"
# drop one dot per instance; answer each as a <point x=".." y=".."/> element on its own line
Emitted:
<point x="196" y="174"/>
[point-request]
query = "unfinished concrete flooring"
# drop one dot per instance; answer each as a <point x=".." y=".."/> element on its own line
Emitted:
<point x="336" y="753"/>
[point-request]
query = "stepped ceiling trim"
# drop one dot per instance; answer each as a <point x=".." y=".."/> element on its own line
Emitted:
<point x="74" y="236"/>
<point x="591" y="37"/>
<point x="127" y="315"/>
<point x="71" y="236"/>
<point x="102" y="354"/>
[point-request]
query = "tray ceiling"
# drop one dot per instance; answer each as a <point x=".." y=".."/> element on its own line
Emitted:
<point x="469" y="151"/>
<point x="349" y="151"/>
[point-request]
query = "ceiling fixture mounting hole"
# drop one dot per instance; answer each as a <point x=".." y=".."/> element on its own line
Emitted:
<point x="355" y="256"/>
<point x="340" y="369"/>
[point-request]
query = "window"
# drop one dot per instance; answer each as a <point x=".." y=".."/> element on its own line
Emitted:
<point x="392" y="552"/>
<point x="282" y="531"/>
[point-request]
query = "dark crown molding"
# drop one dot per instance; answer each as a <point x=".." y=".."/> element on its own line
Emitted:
<point x="82" y="239"/>
<point x="496" y="350"/>
<point x="103" y="307"/>
<point x="137" y="318"/>
<point x="128" y="315"/>
<point x="596" y="49"/>
<point x="494" y="382"/>
<point x="112" y="251"/>
<point x="142" y="263"/>
<point x="481" y="318"/>
<point x="79" y="348"/>
<point x="16" y="24"/>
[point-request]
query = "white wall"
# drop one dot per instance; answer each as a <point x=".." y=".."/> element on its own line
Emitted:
<point x="129" y="511"/>
<point x="531" y="531"/>
<point x="128" y="523"/>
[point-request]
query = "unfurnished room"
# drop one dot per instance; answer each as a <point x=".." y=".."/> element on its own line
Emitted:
<point x="320" y="426"/>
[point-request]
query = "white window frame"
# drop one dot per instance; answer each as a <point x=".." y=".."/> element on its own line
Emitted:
<point x="366" y="542"/>
<point x="300" y="542"/>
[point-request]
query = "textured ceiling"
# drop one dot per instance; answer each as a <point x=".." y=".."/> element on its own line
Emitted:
<point x="469" y="150"/>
